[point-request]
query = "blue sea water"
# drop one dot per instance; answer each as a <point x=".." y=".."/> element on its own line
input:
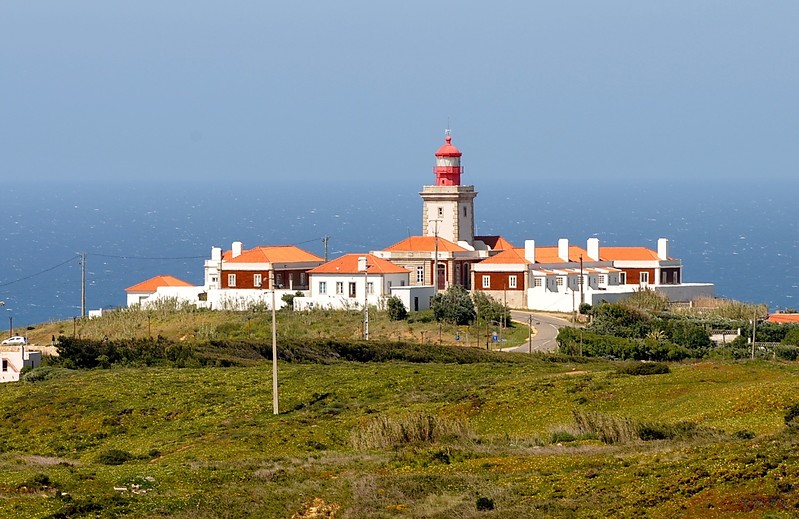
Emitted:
<point x="742" y="237"/>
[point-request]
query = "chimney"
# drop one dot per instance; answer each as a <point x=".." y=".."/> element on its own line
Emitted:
<point x="563" y="249"/>
<point x="663" y="249"/>
<point x="216" y="253"/>
<point x="236" y="249"/>
<point x="593" y="248"/>
<point x="362" y="266"/>
<point x="529" y="250"/>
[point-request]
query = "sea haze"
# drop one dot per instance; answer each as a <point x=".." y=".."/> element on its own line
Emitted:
<point x="743" y="238"/>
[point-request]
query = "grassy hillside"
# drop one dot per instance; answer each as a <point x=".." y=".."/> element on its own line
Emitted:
<point x="488" y="439"/>
<point x="220" y="325"/>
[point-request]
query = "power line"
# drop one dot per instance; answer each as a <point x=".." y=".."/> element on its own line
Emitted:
<point x="145" y="257"/>
<point x="40" y="272"/>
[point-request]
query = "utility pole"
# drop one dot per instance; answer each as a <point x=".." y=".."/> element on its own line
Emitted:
<point x="325" y="240"/>
<point x="582" y="292"/>
<point x="83" y="284"/>
<point x="274" y="345"/>
<point x="754" y="326"/>
<point x="435" y="260"/>
<point x="363" y="265"/>
<point x="530" y="334"/>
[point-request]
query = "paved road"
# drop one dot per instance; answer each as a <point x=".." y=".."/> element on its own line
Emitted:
<point x="547" y="328"/>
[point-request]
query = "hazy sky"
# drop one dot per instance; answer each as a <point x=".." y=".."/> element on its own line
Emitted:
<point x="258" y="90"/>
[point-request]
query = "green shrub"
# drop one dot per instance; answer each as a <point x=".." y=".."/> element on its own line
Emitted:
<point x="792" y="416"/>
<point x="396" y="309"/>
<point x="42" y="373"/>
<point x="484" y="503"/>
<point x="644" y="368"/>
<point x="113" y="457"/>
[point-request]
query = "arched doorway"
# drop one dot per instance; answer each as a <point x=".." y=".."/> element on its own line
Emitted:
<point x="441" y="276"/>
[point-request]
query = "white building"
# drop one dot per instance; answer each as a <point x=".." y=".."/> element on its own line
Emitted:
<point x="560" y="278"/>
<point x="348" y="281"/>
<point x="236" y="279"/>
<point x="16" y="358"/>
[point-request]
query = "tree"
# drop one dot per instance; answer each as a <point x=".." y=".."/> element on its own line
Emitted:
<point x="396" y="309"/>
<point x="491" y="310"/>
<point x="289" y="299"/>
<point x="453" y="306"/>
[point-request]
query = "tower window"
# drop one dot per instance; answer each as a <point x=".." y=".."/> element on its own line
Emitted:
<point x="440" y="211"/>
<point x="464" y="210"/>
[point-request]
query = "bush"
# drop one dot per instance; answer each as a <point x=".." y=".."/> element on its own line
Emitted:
<point x="644" y="368"/>
<point x="396" y="309"/>
<point x="792" y="416"/>
<point x="484" y="503"/>
<point x="453" y="306"/>
<point x="113" y="457"/>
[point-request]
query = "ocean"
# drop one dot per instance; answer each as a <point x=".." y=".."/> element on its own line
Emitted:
<point x="742" y="236"/>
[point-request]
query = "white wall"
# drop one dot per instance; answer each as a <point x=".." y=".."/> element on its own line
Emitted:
<point x="18" y="360"/>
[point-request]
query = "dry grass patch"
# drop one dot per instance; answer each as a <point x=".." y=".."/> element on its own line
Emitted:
<point x="383" y="431"/>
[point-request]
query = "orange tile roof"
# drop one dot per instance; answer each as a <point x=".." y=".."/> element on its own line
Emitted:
<point x="272" y="254"/>
<point x="495" y="242"/>
<point x="348" y="264"/>
<point x="507" y="257"/>
<point x="426" y="244"/>
<point x="152" y="284"/>
<point x="783" y="318"/>
<point x="550" y="254"/>
<point x="627" y="254"/>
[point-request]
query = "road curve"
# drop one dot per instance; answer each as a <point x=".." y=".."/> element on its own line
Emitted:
<point x="546" y="327"/>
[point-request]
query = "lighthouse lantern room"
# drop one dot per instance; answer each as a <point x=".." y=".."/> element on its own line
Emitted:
<point x="448" y="164"/>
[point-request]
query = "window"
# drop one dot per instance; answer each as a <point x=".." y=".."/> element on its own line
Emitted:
<point x="512" y="281"/>
<point x="644" y="277"/>
<point x="279" y="280"/>
<point x="420" y="274"/>
<point x="339" y="288"/>
<point x="302" y="278"/>
<point x="622" y="278"/>
<point x="486" y="281"/>
<point x="538" y="282"/>
<point x="601" y="279"/>
<point x="352" y="289"/>
<point x="464" y="210"/>
<point x="323" y="287"/>
<point x="440" y="211"/>
<point x="559" y="281"/>
<point x="256" y="280"/>
<point x="5" y="364"/>
<point x="370" y="288"/>
<point x="231" y="280"/>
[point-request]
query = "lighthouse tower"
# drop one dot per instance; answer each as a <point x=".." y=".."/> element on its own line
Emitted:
<point x="448" y="209"/>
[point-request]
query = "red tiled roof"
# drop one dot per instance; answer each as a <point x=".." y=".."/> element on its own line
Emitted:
<point x="783" y="318"/>
<point x="425" y="243"/>
<point x="495" y="242"/>
<point x="152" y="284"/>
<point x="272" y="254"/>
<point x="348" y="264"/>
<point x="550" y="254"/>
<point x="507" y="257"/>
<point x="627" y="254"/>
